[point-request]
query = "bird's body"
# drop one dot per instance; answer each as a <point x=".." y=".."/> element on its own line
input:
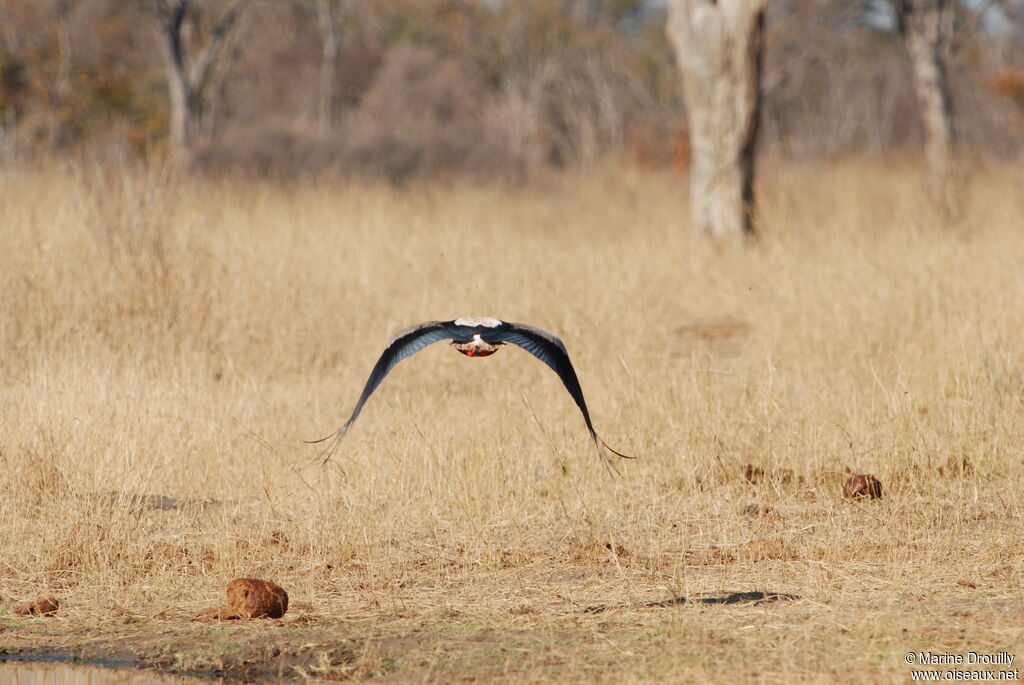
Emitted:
<point x="476" y="327"/>
<point x="475" y="337"/>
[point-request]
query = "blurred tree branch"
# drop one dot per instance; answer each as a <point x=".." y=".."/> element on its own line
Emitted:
<point x="188" y="78"/>
<point x="327" y="19"/>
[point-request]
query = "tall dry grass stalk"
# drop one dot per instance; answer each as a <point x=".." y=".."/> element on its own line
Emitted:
<point x="174" y="337"/>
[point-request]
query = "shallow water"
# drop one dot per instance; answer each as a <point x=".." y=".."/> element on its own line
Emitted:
<point x="55" y="673"/>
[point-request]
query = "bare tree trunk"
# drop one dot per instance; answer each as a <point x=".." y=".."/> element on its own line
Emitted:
<point x="62" y="80"/>
<point x="328" y="64"/>
<point x="179" y="92"/>
<point x="718" y="47"/>
<point x="926" y="27"/>
<point x="187" y="79"/>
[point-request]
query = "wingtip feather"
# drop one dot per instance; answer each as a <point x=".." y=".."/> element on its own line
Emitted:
<point x="609" y="463"/>
<point x="332" y="447"/>
<point x="602" y="443"/>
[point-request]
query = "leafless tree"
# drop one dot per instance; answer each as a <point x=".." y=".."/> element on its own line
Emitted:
<point x="189" y="76"/>
<point x="926" y="27"/>
<point x="327" y="16"/>
<point x="718" y="47"/>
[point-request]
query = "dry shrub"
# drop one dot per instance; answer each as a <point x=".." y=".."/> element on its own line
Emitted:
<point x="591" y="102"/>
<point x="270" y="149"/>
<point x="423" y="114"/>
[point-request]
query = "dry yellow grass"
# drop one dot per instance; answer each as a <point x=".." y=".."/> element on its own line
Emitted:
<point x="168" y="344"/>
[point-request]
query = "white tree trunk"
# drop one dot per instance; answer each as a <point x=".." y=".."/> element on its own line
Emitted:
<point x="926" y="27"/>
<point x="718" y="47"/>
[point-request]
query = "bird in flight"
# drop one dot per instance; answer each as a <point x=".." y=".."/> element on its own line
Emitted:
<point x="475" y="336"/>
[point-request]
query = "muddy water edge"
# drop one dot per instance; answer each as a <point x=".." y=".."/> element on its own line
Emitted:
<point x="65" y="671"/>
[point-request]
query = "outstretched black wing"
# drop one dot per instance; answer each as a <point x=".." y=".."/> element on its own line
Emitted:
<point x="406" y="343"/>
<point x="551" y="351"/>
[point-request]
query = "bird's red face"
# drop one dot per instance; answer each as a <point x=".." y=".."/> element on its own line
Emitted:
<point x="474" y="352"/>
<point x="476" y="347"/>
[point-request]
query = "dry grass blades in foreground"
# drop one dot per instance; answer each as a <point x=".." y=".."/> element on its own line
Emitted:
<point x="169" y="343"/>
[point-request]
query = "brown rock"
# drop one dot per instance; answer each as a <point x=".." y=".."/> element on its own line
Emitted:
<point x="249" y="598"/>
<point x="254" y="598"/>
<point x="863" y="485"/>
<point x="37" y="607"/>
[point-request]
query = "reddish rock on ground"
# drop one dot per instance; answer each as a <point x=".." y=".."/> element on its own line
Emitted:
<point x="249" y="598"/>
<point x="37" y="607"/>
<point x="256" y="598"/>
<point x="863" y="485"/>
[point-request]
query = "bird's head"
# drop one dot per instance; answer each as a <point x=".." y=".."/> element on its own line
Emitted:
<point x="477" y="347"/>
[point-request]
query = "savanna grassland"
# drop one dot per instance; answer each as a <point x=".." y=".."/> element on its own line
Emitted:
<point x="168" y="343"/>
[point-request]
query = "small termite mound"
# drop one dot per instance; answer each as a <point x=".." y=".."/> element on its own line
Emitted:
<point x="249" y="598"/>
